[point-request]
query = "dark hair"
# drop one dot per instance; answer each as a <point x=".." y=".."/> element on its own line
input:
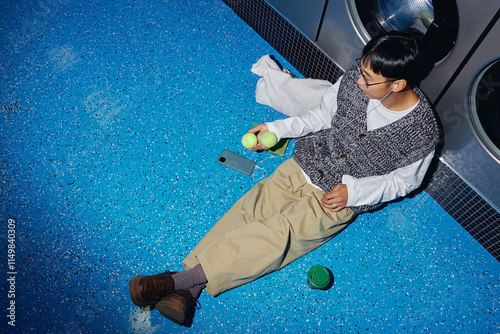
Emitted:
<point x="396" y="55"/>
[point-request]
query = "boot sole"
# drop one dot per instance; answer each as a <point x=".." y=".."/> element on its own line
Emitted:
<point x="172" y="311"/>
<point x="135" y="292"/>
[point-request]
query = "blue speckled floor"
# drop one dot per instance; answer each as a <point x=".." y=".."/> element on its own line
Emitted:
<point x="113" y="115"/>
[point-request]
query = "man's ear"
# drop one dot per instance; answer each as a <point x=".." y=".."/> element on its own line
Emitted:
<point x="399" y="85"/>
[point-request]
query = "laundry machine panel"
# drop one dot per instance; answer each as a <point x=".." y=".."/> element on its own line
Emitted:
<point x="473" y="18"/>
<point x="470" y="115"/>
<point x="304" y="15"/>
<point x="338" y="36"/>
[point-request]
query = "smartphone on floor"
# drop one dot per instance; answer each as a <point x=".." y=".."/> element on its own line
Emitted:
<point x="237" y="162"/>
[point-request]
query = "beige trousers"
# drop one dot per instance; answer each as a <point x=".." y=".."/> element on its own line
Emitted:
<point x="279" y="220"/>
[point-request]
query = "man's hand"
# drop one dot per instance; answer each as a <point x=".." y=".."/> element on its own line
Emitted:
<point x="336" y="199"/>
<point x="261" y="128"/>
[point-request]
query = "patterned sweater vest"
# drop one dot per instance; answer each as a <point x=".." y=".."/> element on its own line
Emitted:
<point x="348" y="148"/>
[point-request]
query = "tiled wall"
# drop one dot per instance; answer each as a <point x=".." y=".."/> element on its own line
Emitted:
<point x="479" y="218"/>
<point x="476" y="215"/>
<point x="289" y="42"/>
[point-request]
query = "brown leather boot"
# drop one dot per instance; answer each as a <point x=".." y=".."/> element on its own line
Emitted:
<point x="178" y="307"/>
<point x="147" y="290"/>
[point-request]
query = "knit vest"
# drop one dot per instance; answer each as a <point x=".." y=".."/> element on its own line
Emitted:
<point x="348" y="148"/>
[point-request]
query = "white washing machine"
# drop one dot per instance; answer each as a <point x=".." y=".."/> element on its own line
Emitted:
<point x="470" y="115"/>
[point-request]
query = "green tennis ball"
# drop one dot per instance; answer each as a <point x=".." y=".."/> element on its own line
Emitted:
<point x="427" y="19"/>
<point x="249" y="140"/>
<point x="268" y="139"/>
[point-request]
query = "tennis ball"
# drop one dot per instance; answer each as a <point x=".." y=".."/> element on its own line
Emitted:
<point x="268" y="139"/>
<point x="427" y="19"/>
<point x="249" y="140"/>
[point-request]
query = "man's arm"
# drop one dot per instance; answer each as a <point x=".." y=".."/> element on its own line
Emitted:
<point x="316" y="119"/>
<point x="376" y="189"/>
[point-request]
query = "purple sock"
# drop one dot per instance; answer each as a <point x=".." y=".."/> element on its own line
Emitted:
<point x="188" y="279"/>
<point x="197" y="290"/>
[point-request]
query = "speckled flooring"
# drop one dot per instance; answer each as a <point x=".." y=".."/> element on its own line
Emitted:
<point x="113" y="115"/>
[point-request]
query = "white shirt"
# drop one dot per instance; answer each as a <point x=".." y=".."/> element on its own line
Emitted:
<point x="366" y="190"/>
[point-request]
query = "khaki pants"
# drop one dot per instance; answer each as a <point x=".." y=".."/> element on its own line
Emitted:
<point x="279" y="220"/>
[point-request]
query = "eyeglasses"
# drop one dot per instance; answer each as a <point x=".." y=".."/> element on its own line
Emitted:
<point x="358" y="63"/>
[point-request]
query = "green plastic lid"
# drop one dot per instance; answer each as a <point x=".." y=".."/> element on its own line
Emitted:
<point x="318" y="277"/>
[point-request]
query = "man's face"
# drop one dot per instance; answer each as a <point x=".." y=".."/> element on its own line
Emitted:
<point x="374" y="85"/>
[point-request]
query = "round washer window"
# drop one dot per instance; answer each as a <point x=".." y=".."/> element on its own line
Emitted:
<point x="485" y="107"/>
<point x="405" y="14"/>
<point x="433" y="22"/>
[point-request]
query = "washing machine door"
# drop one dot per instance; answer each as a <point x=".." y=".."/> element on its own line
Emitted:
<point x="433" y="22"/>
<point x="484" y="108"/>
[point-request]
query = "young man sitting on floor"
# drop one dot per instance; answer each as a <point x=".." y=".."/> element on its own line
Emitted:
<point x="369" y="141"/>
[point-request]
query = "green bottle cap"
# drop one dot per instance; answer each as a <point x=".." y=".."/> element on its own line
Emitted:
<point x="318" y="277"/>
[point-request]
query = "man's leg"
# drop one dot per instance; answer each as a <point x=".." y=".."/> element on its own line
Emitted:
<point x="276" y="222"/>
